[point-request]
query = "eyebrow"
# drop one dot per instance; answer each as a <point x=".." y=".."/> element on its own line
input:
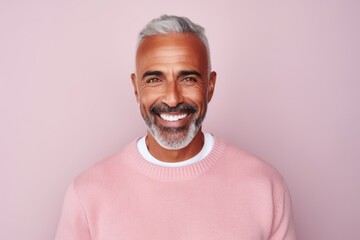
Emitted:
<point x="189" y="72"/>
<point x="152" y="73"/>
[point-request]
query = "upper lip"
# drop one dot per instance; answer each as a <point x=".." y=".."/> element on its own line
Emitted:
<point x="179" y="109"/>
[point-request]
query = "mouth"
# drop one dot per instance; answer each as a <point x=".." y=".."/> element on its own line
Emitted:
<point x="173" y="117"/>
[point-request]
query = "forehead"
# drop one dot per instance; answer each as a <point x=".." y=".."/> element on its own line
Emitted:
<point x="181" y="49"/>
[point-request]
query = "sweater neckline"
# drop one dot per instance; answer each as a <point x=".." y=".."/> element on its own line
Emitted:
<point x="163" y="173"/>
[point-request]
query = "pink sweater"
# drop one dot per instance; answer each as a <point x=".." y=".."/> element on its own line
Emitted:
<point x="228" y="195"/>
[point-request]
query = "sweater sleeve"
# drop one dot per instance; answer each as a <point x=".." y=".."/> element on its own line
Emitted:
<point x="283" y="225"/>
<point x="73" y="223"/>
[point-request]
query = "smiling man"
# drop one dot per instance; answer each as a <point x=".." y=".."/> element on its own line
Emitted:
<point x="176" y="182"/>
<point x="173" y="86"/>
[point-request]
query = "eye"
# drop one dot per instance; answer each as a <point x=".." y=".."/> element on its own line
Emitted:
<point x="189" y="79"/>
<point x="153" y="80"/>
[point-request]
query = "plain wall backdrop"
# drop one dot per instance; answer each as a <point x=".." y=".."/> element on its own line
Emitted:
<point x="288" y="90"/>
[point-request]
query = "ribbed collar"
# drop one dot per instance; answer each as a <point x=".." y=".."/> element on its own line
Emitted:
<point x="134" y="158"/>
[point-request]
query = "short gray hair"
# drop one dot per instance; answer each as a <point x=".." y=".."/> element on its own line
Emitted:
<point x="167" y="24"/>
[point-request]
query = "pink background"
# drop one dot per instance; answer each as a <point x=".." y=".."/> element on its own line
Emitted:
<point x="288" y="90"/>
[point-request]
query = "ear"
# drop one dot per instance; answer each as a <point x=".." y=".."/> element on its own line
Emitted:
<point x="211" y="86"/>
<point x="134" y="83"/>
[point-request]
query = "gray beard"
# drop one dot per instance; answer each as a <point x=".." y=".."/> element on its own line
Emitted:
<point x="174" y="138"/>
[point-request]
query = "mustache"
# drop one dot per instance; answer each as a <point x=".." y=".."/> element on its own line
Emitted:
<point x="181" y="107"/>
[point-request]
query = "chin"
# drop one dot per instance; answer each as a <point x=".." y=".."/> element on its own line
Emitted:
<point x="174" y="139"/>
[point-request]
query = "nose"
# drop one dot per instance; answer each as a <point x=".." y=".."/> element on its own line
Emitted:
<point x="173" y="94"/>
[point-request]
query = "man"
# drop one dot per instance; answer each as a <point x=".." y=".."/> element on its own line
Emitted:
<point x="177" y="182"/>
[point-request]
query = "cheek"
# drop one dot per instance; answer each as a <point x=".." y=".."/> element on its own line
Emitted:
<point x="147" y="99"/>
<point x="197" y="97"/>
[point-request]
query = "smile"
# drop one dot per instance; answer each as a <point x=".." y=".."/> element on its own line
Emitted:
<point x="173" y="118"/>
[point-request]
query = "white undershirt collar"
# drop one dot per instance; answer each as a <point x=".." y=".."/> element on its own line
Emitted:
<point x="208" y="146"/>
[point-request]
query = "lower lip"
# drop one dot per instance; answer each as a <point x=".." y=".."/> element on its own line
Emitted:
<point x="178" y="123"/>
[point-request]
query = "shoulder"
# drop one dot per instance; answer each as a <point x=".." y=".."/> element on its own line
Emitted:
<point x="106" y="172"/>
<point x="245" y="165"/>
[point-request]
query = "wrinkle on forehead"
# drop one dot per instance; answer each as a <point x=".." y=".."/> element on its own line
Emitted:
<point x="168" y="57"/>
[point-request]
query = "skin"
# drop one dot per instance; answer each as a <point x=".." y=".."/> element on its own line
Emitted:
<point x="172" y="69"/>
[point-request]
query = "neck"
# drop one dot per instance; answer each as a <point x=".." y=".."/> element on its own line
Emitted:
<point x="178" y="155"/>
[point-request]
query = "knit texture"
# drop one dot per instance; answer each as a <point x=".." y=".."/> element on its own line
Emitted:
<point x="228" y="195"/>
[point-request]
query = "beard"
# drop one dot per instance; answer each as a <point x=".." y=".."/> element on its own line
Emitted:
<point x="173" y="138"/>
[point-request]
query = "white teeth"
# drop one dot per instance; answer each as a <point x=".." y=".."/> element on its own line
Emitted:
<point x="172" y="118"/>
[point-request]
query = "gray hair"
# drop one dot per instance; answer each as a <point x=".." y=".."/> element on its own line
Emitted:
<point x="167" y="24"/>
